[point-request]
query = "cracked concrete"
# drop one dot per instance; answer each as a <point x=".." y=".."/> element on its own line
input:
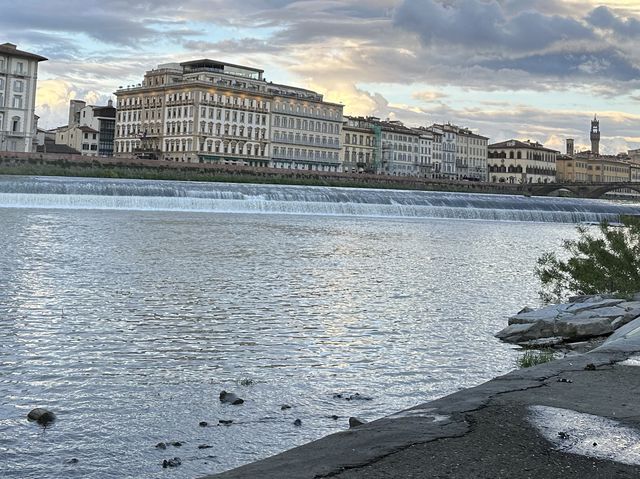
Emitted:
<point x="481" y="432"/>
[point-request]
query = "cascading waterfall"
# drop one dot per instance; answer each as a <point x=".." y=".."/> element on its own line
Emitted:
<point x="84" y="193"/>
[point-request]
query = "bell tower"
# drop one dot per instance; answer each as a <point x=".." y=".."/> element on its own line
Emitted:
<point x="595" y="136"/>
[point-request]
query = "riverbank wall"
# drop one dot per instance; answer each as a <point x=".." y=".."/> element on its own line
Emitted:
<point x="51" y="164"/>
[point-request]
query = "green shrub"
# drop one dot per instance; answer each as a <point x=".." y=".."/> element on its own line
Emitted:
<point x="607" y="262"/>
<point x="532" y="357"/>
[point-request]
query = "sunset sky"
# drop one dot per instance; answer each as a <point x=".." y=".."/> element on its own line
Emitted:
<point x="526" y="69"/>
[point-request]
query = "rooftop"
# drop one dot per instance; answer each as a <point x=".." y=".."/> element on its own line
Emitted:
<point x="11" y="49"/>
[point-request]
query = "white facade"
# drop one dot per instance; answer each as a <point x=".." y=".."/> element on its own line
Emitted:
<point x="425" y="163"/>
<point x="305" y="131"/>
<point x="18" y="80"/>
<point x="400" y="149"/>
<point x="209" y="111"/>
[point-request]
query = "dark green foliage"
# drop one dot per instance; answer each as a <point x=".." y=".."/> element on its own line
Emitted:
<point x="607" y="262"/>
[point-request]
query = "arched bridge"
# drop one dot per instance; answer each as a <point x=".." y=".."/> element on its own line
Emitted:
<point x="580" y="190"/>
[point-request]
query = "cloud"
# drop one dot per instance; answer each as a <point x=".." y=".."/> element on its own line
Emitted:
<point x="604" y="18"/>
<point x="482" y="25"/>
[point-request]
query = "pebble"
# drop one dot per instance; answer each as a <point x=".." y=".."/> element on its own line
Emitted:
<point x="226" y="422"/>
<point x="203" y="424"/>
<point x="284" y="407"/>
<point x="204" y="446"/>
<point x="297" y="422"/>
<point x="161" y="445"/>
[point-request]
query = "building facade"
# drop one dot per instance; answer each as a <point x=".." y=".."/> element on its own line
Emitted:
<point x="360" y="146"/>
<point x="90" y="130"/>
<point x="306" y="131"/>
<point x="585" y="168"/>
<point x="517" y="161"/>
<point x="400" y="149"/>
<point x="18" y="82"/>
<point x="215" y="112"/>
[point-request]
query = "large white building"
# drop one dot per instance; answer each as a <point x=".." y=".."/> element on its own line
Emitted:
<point x="18" y="80"/>
<point x="215" y="112"/>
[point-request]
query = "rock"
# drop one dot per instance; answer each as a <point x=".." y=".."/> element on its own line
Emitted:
<point x="176" y="444"/>
<point x="335" y="417"/>
<point x="203" y="424"/>
<point x="284" y="407"/>
<point x="351" y="397"/>
<point x="584" y="327"/>
<point x="175" y="462"/>
<point x="526" y="309"/>
<point x="161" y="445"/>
<point x="204" y="446"/>
<point x="355" y="422"/>
<point x="297" y="422"/>
<point x="41" y="416"/>
<point x="549" y="313"/>
<point x="578" y="307"/>
<point x="73" y="461"/>
<point x="590" y="367"/>
<point x="225" y="422"/>
<point x="543" y="342"/>
<point x="230" y="398"/>
<point x="631" y="328"/>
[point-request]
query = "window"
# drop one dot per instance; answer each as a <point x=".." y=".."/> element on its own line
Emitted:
<point x="17" y="101"/>
<point x="15" y="124"/>
<point x="20" y="67"/>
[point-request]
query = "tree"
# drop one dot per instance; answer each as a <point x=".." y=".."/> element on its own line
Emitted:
<point x="606" y="262"/>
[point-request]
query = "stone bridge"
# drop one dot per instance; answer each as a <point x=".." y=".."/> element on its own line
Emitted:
<point x="580" y="190"/>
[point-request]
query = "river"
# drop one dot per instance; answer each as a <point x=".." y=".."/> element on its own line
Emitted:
<point x="127" y="306"/>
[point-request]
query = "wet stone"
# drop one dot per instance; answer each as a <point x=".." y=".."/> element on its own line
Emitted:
<point x="204" y="446"/>
<point x="230" y="398"/>
<point x="161" y="445"/>
<point x="203" y="424"/>
<point x="285" y="407"/>
<point x="297" y="422"/>
<point x="175" y="462"/>
<point x="41" y="416"/>
<point x="225" y="422"/>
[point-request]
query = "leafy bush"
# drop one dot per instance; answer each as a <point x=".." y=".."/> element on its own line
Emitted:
<point x="532" y="358"/>
<point x="604" y="263"/>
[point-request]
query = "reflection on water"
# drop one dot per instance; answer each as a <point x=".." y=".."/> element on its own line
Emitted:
<point x="128" y="325"/>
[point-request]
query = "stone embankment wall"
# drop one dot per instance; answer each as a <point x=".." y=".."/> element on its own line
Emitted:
<point x="78" y="165"/>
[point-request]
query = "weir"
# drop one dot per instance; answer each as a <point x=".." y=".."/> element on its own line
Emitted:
<point x="87" y="193"/>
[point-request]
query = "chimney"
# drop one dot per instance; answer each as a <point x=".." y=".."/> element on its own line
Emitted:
<point x="9" y="45"/>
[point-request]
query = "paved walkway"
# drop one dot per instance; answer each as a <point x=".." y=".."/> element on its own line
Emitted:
<point x="578" y="417"/>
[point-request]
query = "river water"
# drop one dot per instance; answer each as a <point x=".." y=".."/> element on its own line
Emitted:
<point x="126" y="313"/>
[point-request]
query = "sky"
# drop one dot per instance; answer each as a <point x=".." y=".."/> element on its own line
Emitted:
<point x="507" y="69"/>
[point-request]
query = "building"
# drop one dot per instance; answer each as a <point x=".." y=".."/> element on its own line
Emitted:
<point x="215" y="112"/>
<point x="360" y="145"/>
<point x="18" y="82"/>
<point x="595" y="136"/>
<point x="471" y="154"/>
<point x="90" y="130"/>
<point x="585" y="168"/>
<point x="570" y="146"/>
<point x="306" y="131"/>
<point x="425" y="162"/>
<point x="399" y="149"/>
<point x="517" y="161"/>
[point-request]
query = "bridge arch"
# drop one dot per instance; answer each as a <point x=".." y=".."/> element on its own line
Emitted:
<point x="600" y="191"/>
<point x="550" y="188"/>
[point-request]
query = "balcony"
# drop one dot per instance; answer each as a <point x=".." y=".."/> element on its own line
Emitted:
<point x="307" y="143"/>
